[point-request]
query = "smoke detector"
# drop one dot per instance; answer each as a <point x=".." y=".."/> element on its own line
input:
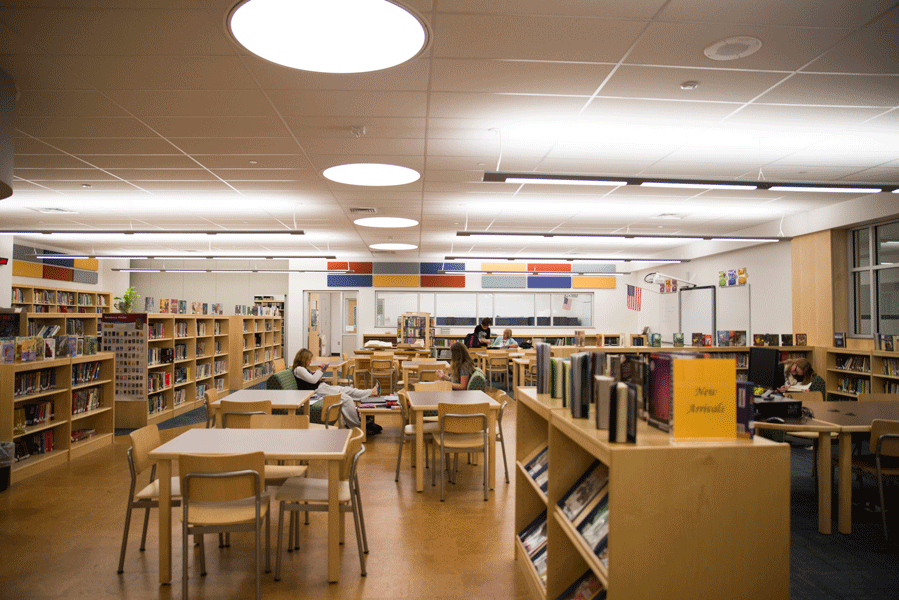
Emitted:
<point x="733" y="48"/>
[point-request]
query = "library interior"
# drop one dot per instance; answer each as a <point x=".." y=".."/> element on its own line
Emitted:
<point x="676" y="222"/>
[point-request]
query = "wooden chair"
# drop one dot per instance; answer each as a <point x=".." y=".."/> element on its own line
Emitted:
<point x="210" y="396"/>
<point x="427" y="373"/>
<point x="279" y="365"/>
<point x="223" y="493"/>
<point x="230" y="409"/>
<point x="382" y="368"/>
<point x="331" y="415"/>
<point x="462" y="429"/>
<point x="884" y="460"/>
<point x="408" y="430"/>
<point x="346" y="371"/>
<point x="362" y="371"/>
<point x="503" y="398"/>
<point x="530" y="373"/>
<point x="275" y="474"/>
<point x="433" y="386"/>
<point x="143" y="441"/>
<point x="497" y="364"/>
<point x="303" y="494"/>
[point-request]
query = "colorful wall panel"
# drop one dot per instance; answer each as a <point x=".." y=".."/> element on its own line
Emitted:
<point x="592" y="268"/>
<point x="336" y="280"/>
<point x="60" y="267"/>
<point x="542" y="281"/>
<point x="592" y="281"/>
<point x="504" y="266"/>
<point x="444" y="281"/>
<point x="395" y="268"/>
<point x="395" y="280"/>
<point x="550" y="267"/>
<point x="26" y="269"/>
<point x="504" y="281"/>
<point x="57" y="273"/>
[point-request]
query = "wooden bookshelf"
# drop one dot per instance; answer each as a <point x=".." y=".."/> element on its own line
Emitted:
<point x="416" y="329"/>
<point x="885" y="372"/>
<point x="62" y="418"/>
<point x="848" y="373"/>
<point x="255" y="342"/>
<point x="221" y="350"/>
<point x="42" y="299"/>
<point x="697" y="519"/>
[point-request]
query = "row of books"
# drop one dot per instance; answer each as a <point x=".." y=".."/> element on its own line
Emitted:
<point x="37" y="443"/>
<point x="34" y="382"/>
<point x="85" y="372"/>
<point x="156" y="403"/>
<point x="179" y="307"/>
<point x="182" y="375"/>
<point x="179" y="396"/>
<point x="156" y="356"/>
<point x="854" y="385"/>
<point x="158" y="380"/>
<point x="886" y="342"/>
<point x="31" y="349"/>
<point x="86" y="400"/>
<point x="533" y="538"/>
<point x="537" y="467"/>
<point x="255" y="311"/>
<point x="861" y="364"/>
<point x="82" y="434"/>
<point x="33" y="413"/>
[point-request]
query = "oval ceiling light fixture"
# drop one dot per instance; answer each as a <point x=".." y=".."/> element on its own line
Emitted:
<point x="336" y="36"/>
<point x="371" y="174"/>
<point x="392" y="246"/>
<point x="386" y="222"/>
<point x="733" y="48"/>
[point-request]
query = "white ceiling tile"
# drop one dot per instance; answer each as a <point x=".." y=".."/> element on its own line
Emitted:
<point x="89" y="146"/>
<point x="342" y="127"/>
<point x="113" y="161"/>
<point x="63" y="174"/>
<point x="38" y="72"/>
<point x="864" y="51"/>
<point x="66" y="103"/>
<point x="154" y="72"/>
<point x="800" y="13"/>
<point x="262" y="161"/>
<point x="210" y="127"/>
<point x="100" y="127"/>
<point x="682" y="44"/>
<point x="193" y="103"/>
<point x="525" y="77"/>
<point x="802" y="117"/>
<point x="364" y="145"/>
<point x="141" y="175"/>
<point x="681" y="112"/>
<point x="846" y="90"/>
<point x="501" y="109"/>
<point x="48" y="161"/>
<point x="665" y="83"/>
<point x="409" y="76"/>
<point x="360" y="104"/>
<point x="237" y="146"/>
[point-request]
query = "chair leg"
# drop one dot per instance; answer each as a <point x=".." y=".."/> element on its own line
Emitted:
<point x="289" y="532"/>
<point x="268" y="541"/>
<point x="399" y="456"/>
<point x="125" y="538"/>
<point x="502" y="446"/>
<point x="258" y="549"/>
<point x="143" y="537"/>
<point x="361" y="516"/>
<point x="202" y="557"/>
<point x="486" y="462"/>
<point x="883" y="506"/>
<point x="281" y="538"/>
<point x="184" y="535"/>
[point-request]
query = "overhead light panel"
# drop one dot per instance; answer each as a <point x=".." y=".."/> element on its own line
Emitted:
<point x="826" y="189"/>
<point x="386" y="222"/>
<point x="336" y="36"/>
<point x="392" y="246"/>
<point x="371" y="174"/>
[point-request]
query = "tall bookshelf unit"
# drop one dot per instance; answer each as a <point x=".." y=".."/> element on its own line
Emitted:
<point x="885" y="372"/>
<point x="255" y="342"/>
<point x="686" y="519"/>
<point x="275" y="301"/>
<point x="41" y="299"/>
<point x="415" y="329"/>
<point x="75" y="396"/>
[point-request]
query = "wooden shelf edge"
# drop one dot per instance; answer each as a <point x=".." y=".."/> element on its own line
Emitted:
<point x="526" y="567"/>
<point x="581" y="545"/>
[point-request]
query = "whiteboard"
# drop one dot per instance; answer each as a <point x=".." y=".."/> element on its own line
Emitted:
<point x="733" y="312"/>
<point x="697" y="311"/>
<point x="668" y="316"/>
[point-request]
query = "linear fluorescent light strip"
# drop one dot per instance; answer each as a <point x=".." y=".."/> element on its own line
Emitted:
<point x="158" y="232"/>
<point x="565" y="181"/>
<point x="699" y="186"/>
<point x="195" y="257"/>
<point x="849" y="190"/>
<point x="622" y="236"/>
<point x="569" y="259"/>
<point x="140" y="270"/>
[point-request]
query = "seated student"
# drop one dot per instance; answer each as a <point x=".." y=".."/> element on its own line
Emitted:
<point x="461" y="367"/>
<point x="312" y="380"/>
<point x="482" y="331"/>
<point x="507" y="341"/>
<point x="799" y="376"/>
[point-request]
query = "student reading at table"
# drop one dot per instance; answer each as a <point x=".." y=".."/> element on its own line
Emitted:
<point x="482" y="331"/>
<point x="461" y="367"/>
<point x="312" y="380"/>
<point x="799" y="376"/>
<point x="507" y="341"/>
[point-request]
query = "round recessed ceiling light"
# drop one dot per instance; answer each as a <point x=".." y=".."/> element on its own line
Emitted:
<point x="336" y="36"/>
<point x="733" y="48"/>
<point x="386" y="222"/>
<point x="371" y="174"/>
<point x="392" y="246"/>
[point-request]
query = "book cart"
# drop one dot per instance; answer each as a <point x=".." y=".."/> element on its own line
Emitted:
<point x="56" y="410"/>
<point x="255" y="342"/>
<point x="685" y="519"/>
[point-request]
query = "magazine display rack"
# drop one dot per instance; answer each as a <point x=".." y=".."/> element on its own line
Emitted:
<point x="56" y="410"/>
<point x="690" y="519"/>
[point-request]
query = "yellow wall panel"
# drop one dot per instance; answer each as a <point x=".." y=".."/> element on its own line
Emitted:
<point x="395" y="281"/>
<point x="592" y="281"/>
<point x="27" y="269"/>
<point x="504" y="266"/>
<point x="88" y="264"/>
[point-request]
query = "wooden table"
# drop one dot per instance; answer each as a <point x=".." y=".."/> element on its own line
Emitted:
<point x="334" y="367"/>
<point x="284" y="399"/>
<point x="419" y="402"/>
<point x="328" y="445"/>
<point x="519" y="366"/>
<point x="409" y="366"/>
<point x="842" y="418"/>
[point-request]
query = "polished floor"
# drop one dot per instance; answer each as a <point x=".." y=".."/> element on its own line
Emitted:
<point x="60" y="533"/>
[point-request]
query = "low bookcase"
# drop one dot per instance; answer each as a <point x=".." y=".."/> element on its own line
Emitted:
<point x="706" y="519"/>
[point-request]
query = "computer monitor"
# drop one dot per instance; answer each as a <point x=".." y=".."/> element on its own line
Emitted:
<point x="765" y="369"/>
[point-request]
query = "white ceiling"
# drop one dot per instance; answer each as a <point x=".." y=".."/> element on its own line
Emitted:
<point x="174" y="126"/>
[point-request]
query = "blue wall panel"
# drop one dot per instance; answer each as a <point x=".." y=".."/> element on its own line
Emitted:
<point x="537" y="281"/>
<point x="349" y="280"/>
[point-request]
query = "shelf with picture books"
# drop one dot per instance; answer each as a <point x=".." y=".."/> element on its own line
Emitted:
<point x="647" y="517"/>
<point x="848" y="373"/>
<point x="56" y="410"/>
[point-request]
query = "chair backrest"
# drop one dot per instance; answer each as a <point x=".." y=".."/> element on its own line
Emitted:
<point x="363" y="363"/>
<point x="143" y="441"/>
<point x="279" y="365"/>
<point x="221" y="489"/>
<point x="381" y="365"/>
<point x="462" y="418"/>
<point x="331" y="410"/>
<point x="210" y="396"/>
<point x="433" y="386"/>
<point x="281" y="380"/>
<point x="279" y="421"/>
<point x="877" y="397"/>
<point x="404" y="406"/>
<point x="427" y="373"/>
<point x="231" y="409"/>
<point x="889" y="446"/>
<point x="354" y="450"/>
<point x="382" y="354"/>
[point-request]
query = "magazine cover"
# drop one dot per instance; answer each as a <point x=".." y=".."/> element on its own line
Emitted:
<point x="678" y="339"/>
<point x="801" y="339"/>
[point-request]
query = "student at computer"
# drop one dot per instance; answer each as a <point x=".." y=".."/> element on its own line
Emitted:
<point x="507" y="341"/>
<point x="799" y="376"/>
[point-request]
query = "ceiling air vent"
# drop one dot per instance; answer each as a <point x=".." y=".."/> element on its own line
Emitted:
<point x="382" y="252"/>
<point x="361" y="210"/>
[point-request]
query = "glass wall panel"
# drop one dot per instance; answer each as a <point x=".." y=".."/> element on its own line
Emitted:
<point x="861" y="291"/>
<point x="888" y="244"/>
<point x="456" y="310"/>
<point x="572" y="310"/>
<point x="542" y="310"/>
<point x="860" y="248"/>
<point x="390" y="305"/>
<point x="514" y="310"/>
<point x="888" y="301"/>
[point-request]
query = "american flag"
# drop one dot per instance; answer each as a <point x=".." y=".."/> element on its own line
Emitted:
<point x="566" y="303"/>
<point x="633" y="297"/>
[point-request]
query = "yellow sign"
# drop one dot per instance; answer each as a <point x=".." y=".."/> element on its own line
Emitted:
<point x="705" y="404"/>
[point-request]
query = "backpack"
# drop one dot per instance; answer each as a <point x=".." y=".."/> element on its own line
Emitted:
<point x="477" y="381"/>
<point x="472" y="341"/>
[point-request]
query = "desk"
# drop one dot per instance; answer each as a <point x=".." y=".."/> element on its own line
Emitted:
<point x="284" y="399"/>
<point x="278" y="444"/>
<point x="843" y="418"/>
<point x="419" y="402"/>
<point x="334" y="367"/>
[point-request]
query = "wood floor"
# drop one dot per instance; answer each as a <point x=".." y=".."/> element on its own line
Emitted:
<point x="60" y="534"/>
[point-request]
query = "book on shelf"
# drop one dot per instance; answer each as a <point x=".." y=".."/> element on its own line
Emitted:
<point x="8" y="351"/>
<point x="602" y="398"/>
<point x="678" y="340"/>
<point x="533" y="537"/>
<point x="737" y="337"/>
<point x="801" y="339"/>
<point x="839" y="339"/>
<point x="655" y="340"/>
<point x="182" y="307"/>
<point x="194" y="308"/>
<point x="539" y="561"/>
<point x="623" y="414"/>
<point x="745" y="409"/>
<point x="696" y="339"/>
<point x="707" y="340"/>
<point x="536" y="466"/>
<point x="50" y="349"/>
<point x="586" y="587"/>
<point x="759" y="339"/>
<point x="723" y="338"/>
<point x="594" y="527"/>
<point x="786" y="339"/>
<point x="163" y="305"/>
<point x="584" y="490"/>
<point x="772" y="340"/>
<point x="149" y="304"/>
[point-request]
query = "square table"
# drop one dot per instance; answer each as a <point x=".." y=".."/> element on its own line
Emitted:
<point x="419" y="402"/>
<point x="283" y="399"/>
<point x="328" y="445"/>
<point x="409" y="366"/>
<point x="334" y="367"/>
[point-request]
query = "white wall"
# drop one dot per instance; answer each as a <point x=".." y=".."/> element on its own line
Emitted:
<point x="6" y="272"/>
